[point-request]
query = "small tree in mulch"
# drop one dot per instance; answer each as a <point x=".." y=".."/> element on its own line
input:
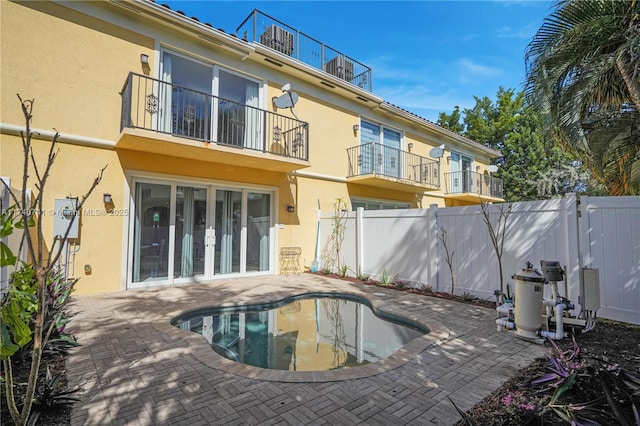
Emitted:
<point x="331" y="252"/>
<point x="442" y="236"/>
<point x="497" y="233"/>
<point x="33" y="308"/>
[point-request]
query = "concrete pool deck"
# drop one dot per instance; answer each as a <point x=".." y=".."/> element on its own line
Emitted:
<point x="136" y="368"/>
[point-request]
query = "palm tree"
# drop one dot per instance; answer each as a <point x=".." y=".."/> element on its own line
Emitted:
<point x="583" y="73"/>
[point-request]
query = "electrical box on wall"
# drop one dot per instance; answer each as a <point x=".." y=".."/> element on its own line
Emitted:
<point x="590" y="289"/>
<point x="64" y="209"/>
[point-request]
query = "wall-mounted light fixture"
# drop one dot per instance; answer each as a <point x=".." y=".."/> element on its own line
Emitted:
<point x="410" y="146"/>
<point x="477" y="169"/>
<point x="448" y="159"/>
<point x="291" y="209"/>
<point x="144" y="59"/>
<point x="106" y="198"/>
<point x="356" y="127"/>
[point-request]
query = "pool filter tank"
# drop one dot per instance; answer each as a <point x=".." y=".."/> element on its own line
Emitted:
<point x="531" y="316"/>
<point x="528" y="313"/>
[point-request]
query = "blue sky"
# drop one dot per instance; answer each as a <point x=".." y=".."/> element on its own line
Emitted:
<point x="426" y="56"/>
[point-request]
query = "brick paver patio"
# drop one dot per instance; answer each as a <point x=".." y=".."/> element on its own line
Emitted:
<point x="135" y="368"/>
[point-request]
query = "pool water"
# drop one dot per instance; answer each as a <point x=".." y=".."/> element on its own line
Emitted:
<point x="306" y="334"/>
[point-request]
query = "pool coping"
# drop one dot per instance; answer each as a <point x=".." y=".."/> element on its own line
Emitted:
<point x="199" y="348"/>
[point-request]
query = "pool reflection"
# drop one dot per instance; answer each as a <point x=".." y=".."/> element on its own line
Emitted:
<point x="314" y="334"/>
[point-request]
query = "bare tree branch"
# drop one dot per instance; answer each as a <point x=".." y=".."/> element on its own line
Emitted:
<point x="44" y="269"/>
<point x="497" y="234"/>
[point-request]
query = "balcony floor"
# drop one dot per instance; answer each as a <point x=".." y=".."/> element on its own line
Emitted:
<point x="174" y="146"/>
<point x="393" y="183"/>
<point x="470" y="197"/>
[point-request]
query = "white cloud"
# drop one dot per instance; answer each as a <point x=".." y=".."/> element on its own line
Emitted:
<point x="469" y="69"/>
<point x="525" y="32"/>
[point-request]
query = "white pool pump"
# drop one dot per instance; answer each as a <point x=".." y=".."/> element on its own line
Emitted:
<point x="533" y="317"/>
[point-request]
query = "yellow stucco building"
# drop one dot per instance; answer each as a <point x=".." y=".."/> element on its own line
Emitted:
<point x="219" y="147"/>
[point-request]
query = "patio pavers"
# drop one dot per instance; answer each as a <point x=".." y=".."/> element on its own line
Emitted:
<point x="136" y="368"/>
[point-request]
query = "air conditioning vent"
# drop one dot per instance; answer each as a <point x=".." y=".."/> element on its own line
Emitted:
<point x="278" y="39"/>
<point x="341" y="67"/>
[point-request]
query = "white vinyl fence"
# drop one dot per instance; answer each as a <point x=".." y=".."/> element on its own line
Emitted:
<point x="601" y="232"/>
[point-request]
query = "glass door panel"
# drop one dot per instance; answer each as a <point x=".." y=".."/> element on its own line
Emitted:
<point x="191" y="218"/>
<point x="461" y="177"/>
<point x="151" y="231"/>
<point x="239" y="119"/>
<point x="456" y="175"/>
<point x="259" y="225"/>
<point x="189" y="98"/>
<point x="391" y="142"/>
<point x="227" y="231"/>
<point x="369" y="148"/>
<point x="467" y="179"/>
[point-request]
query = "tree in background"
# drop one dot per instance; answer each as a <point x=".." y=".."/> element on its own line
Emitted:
<point x="451" y="121"/>
<point x="583" y="75"/>
<point x="529" y="156"/>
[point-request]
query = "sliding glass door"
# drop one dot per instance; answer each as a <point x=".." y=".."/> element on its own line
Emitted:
<point x="239" y="117"/>
<point x="258" y="230"/>
<point x="187" y="107"/>
<point x="461" y="177"/>
<point x="151" y="232"/>
<point x="182" y="232"/>
<point x="186" y="97"/>
<point x="227" y="230"/>
<point x="190" y="232"/>
<point x="380" y="150"/>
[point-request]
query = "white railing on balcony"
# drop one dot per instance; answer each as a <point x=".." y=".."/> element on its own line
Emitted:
<point x="162" y="107"/>
<point x="378" y="159"/>
<point x="261" y="28"/>
<point x="468" y="182"/>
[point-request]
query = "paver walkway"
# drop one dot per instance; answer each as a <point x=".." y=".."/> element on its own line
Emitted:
<point x="135" y="368"/>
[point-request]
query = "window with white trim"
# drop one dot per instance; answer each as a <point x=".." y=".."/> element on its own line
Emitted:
<point x="372" y="204"/>
<point x="380" y="149"/>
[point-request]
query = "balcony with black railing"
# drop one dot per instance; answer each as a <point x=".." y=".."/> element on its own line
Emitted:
<point x="169" y="119"/>
<point x="466" y="185"/>
<point x="261" y="28"/>
<point x="374" y="164"/>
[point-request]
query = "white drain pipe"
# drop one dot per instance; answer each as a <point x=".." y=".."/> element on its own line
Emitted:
<point x="504" y="322"/>
<point x="559" y="333"/>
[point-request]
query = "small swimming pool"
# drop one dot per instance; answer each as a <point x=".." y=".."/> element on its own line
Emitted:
<point x="317" y="332"/>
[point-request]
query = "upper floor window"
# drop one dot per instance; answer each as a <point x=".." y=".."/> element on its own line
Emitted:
<point x="375" y="133"/>
<point x="380" y="149"/>
<point x="188" y="108"/>
<point x="461" y="176"/>
<point x="369" y="204"/>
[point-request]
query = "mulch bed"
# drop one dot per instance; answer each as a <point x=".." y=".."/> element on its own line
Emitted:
<point x="48" y="416"/>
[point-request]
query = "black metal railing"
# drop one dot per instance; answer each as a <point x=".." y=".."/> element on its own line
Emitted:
<point x="163" y="107"/>
<point x="378" y="159"/>
<point x="262" y="28"/>
<point x="466" y="181"/>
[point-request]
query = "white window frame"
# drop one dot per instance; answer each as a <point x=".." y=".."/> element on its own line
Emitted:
<point x="397" y="204"/>
<point x="134" y="177"/>
<point x="215" y="82"/>
<point x="383" y="126"/>
<point x="470" y="181"/>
